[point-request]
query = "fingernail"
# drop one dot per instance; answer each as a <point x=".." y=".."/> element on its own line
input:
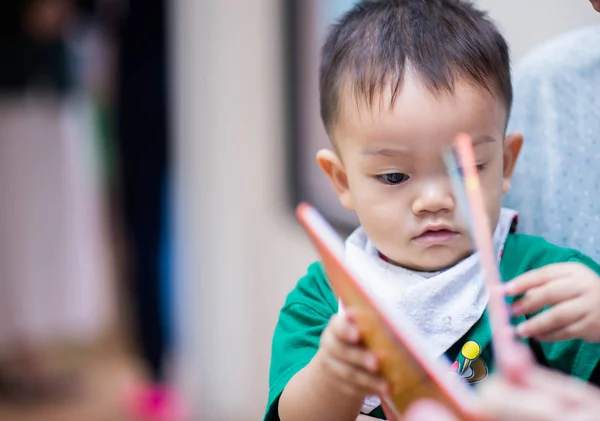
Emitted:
<point x="516" y="309"/>
<point x="523" y="331"/>
<point x="353" y="334"/>
<point x="372" y="363"/>
<point x="350" y="315"/>
<point x="508" y="289"/>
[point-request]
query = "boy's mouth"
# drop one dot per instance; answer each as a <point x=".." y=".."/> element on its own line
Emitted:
<point x="436" y="235"/>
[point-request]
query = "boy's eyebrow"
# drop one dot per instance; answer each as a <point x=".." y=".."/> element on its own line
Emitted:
<point x="477" y="140"/>
<point x="483" y="139"/>
<point x="382" y="151"/>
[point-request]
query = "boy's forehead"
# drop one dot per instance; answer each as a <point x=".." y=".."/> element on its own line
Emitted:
<point x="418" y="111"/>
<point x="379" y="150"/>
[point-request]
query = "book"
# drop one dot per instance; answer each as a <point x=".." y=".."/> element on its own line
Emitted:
<point x="410" y="373"/>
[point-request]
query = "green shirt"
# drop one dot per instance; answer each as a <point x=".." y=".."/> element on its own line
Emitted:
<point x="312" y="303"/>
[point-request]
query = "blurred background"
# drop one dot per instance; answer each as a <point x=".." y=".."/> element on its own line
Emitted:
<point x="151" y="152"/>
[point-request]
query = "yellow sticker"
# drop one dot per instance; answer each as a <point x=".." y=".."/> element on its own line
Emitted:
<point x="471" y="350"/>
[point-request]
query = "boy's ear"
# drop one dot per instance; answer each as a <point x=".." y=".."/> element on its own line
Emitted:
<point x="332" y="166"/>
<point x="512" y="148"/>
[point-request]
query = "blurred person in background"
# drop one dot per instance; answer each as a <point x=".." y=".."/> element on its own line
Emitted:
<point x="557" y="109"/>
<point x="142" y="145"/>
<point x="53" y="260"/>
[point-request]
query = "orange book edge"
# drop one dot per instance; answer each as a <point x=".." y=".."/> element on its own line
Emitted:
<point x="506" y="347"/>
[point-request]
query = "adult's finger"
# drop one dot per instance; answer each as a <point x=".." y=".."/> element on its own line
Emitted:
<point x="427" y="410"/>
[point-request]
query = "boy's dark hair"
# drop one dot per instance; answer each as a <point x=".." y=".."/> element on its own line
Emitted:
<point x="442" y="41"/>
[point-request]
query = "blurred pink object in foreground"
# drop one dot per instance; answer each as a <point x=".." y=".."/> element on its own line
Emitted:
<point x="155" y="403"/>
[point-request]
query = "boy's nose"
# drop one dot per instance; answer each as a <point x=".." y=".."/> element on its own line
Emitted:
<point x="433" y="198"/>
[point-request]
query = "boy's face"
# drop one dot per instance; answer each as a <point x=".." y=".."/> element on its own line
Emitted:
<point x="390" y="169"/>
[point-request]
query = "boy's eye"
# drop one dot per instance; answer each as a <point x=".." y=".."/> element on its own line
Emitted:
<point x="393" y="178"/>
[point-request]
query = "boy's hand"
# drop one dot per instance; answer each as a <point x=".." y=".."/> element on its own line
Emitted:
<point x="346" y="362"/>
<point x="573" y="292"/>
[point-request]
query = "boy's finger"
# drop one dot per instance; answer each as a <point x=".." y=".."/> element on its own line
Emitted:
<point x="545" y="295"/>
<point x="571" y="331"/>
<point x="529" y="280"/>
<point x="358" y="380"/>
<point x="537" y="277"/>
<point x="343" y="329"/>
<point x="553" y="319"/>
<point x="356" y="356"/>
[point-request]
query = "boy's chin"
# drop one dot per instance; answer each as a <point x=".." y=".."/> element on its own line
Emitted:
<point x="435" y="262"/>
